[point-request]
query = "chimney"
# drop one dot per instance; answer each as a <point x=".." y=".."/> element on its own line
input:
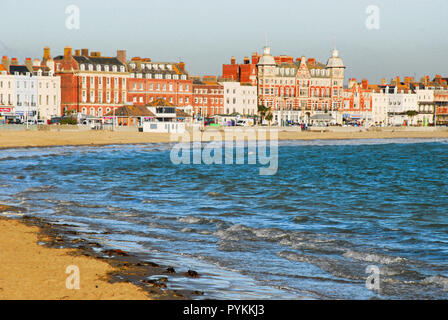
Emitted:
<point x="246" y="60"/>
<point x="182" y="66"/>
<point x="397" y="80"/>
<point x="121" y="55"/>
<point x="311" y="61"/>
<point x="6" y="63"/>
<point x="47" y="55"/>
<point x="383" y="81"/>
<point x="95" y="54"/>
<point x="233" y="60"/>
<point x="85" y="52"/>
<point x="68" y="53"/>
<point x="77" y="52"/>
<point x="14" y="62"/>
<point x="29" y="64"/>
<point x="365" y="84"/>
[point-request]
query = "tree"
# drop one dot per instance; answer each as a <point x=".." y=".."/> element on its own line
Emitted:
<point x="269" y="116"/>
<point x="262" y="110"/>
<point x="411" y="114"/>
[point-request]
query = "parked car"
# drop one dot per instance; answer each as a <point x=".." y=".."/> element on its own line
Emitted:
<point x="15" y="121"/>
<point x="41" y="121"/>
<point x="242" y="123"/>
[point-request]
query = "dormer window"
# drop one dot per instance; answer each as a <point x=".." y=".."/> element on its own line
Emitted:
<point x="90" y="67"/>
<point x="82" y="67"/>
<point x="184" y="77"/>
<point x="170" y="67"/>
<point x="162" y="67"/>
<point x="175" y="77"/>
<point x="155" y="67"/>
<point x="98" y="67"/>
<point x="168" y="76"/>
<point x="106" y="68"/>
<point x="122" y="69"/>
<point x="133" y="65"/>
<point x="149" y="66"/>
<point x="114" y="68"/>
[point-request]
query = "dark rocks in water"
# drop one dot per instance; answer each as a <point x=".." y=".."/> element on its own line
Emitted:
<point x="155" y="283"/>
<point x="148" y="264"/>
<point x="197" y="293"/>
<point x="191" y="274"/>
<point x="116" y="252"/>
<point x="5" y="208"/>
<point x="170" y="270"/>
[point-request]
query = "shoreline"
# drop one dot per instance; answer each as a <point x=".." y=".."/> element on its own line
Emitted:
<point x="29" y="243"/>
<point x="39" y="139"/>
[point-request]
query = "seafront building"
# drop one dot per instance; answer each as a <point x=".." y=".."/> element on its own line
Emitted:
<point x="208" y="97"/>
<point x="239" y="98"/>
<point x="150" y="81"/>
<point x="297" y="90"/>
<point x="90" y="83"/>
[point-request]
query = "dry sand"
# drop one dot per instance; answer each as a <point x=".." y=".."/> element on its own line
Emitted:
<point x="11" y="139"/>
<point x="29" y="271"/>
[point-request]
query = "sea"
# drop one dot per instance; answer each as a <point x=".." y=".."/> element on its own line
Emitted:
<point x="337" y="216"/>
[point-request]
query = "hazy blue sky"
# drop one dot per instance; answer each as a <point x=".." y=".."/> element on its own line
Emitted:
<point x="412" y="39"/>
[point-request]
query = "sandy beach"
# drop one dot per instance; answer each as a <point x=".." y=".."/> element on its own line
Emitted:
<point x="13" y="139"/>
<point x="30" y="271"/>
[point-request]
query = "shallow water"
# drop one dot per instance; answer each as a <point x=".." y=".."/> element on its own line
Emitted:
<point x="334" y="208"/>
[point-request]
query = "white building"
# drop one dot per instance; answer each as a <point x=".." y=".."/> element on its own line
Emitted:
<point x="397" y="107"/>
<point x="25" y="93"/>
<point x="48" y="95"/>
<point x="7" y="93"/>
<point x="239" y="98"/>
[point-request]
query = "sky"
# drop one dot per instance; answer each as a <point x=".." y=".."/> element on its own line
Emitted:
<point x="411" y="39"/>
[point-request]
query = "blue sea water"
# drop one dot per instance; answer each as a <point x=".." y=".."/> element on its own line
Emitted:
<point x="309" y="232"/>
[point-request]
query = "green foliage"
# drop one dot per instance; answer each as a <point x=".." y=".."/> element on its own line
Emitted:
<point x="72" y="121"/>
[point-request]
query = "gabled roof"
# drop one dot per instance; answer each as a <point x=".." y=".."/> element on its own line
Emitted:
<point x="131" y="111"/>
<point x="98" y="60"/>
<point x="20" y="69"/>
<point x="182" y="114"/>
<point x="160" y="103"/>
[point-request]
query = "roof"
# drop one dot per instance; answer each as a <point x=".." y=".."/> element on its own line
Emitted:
<point x="267" y="59"/>
<point x="335" y="61"/>
<point x="98" y="60"/>
<point x="150" y="67"/>
<point x="160" y="103"/>
<point x="182" y="114"/>
<point x="20" y="69"/>
<point x="131" y="111"/>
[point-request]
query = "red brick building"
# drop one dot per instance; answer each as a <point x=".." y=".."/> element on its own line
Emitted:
<point x="92" y="84"/>
<point x="150" y="81"/>
<point x="357" y="104"/>
<point x="245" y="73"/>
<point x="208" y="97"/>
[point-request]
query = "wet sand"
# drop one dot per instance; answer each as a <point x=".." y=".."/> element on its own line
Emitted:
<point x="12" y="139"/>
<point x="35" y="255"/>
